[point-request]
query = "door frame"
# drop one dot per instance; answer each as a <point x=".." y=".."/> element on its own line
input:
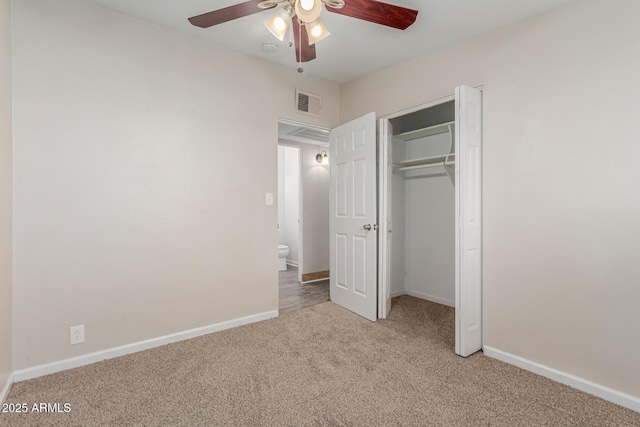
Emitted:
<point x="297" y="144"/>
<point x="383" y="145"/>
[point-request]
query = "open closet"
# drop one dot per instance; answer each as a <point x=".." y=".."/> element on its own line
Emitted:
<point x="423" y="204"/>
<point x="406" y="211"/>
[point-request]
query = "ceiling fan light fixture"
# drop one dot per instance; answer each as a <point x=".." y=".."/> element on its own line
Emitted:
<point x="308" y="10"/>
<point x="316" y="31"/>
<point x="279" y="22"/>
<point x="307" y="4"/>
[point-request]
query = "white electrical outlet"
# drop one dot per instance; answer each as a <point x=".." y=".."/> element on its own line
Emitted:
<point x="76" y="334"/>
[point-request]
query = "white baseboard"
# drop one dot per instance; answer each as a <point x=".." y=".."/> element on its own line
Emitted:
<point x="431" y="298"/>
<point x="4" y="392"/>
<point x="606" y="393"/>
<point x="292" y="263"/>
<point x="398" y="293"/>
<point x="50" y="368"/>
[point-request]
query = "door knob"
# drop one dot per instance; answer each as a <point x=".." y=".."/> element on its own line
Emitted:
<point x="367" y="227"/>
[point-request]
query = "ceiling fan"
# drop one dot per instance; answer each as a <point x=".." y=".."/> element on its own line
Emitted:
<point x="306" y="13"/>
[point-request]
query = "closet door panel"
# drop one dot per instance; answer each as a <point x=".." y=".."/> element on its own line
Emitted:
<point x="385" y="243"/>
<point x="469" y="216"/>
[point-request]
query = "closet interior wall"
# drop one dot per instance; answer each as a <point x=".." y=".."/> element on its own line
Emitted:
<point x="423" y="205"/>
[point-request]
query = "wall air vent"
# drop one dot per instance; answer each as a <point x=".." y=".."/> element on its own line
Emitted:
<point x="308" y="103"/>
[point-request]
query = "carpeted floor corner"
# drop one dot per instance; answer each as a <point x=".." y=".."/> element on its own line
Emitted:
<point x="318" y="366"/>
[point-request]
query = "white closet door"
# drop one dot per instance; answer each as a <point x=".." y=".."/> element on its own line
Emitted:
<point x="385" y="166"/>
<point x="469" y="215"/>
<point x="353" y="213"/>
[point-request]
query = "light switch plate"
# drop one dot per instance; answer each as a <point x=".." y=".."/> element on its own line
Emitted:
<point x="269" y="199"/>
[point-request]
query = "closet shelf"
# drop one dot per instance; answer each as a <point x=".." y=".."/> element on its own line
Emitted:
<point x="424" y="132"/>
<point x="441" y="160"/>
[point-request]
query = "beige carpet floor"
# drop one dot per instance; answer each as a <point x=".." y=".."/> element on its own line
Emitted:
<point x="318" y="366"/>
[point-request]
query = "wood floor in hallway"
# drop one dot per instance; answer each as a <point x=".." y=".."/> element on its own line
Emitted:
<point x="294" y="295"/>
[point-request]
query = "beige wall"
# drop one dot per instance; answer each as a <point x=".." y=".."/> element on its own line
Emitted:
<point x="141" y="165"/>
<point x="561" y="230"/>
<point x="5" y="194"/>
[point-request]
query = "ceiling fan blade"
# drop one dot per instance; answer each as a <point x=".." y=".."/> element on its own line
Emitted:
<point x="219" y="16"/>
<point x="304" y="52"/>
<point x="377" y="12"/>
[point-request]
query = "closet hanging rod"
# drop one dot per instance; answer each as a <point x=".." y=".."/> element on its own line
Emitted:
<point x="428" y="165"/>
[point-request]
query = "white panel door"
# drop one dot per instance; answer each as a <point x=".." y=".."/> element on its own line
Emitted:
<point x="353" y="251"/>
<point x="384" y="217"/>
<point x="469" y="220"/>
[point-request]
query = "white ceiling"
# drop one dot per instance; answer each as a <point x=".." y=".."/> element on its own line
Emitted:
<point x="354" y="47"/>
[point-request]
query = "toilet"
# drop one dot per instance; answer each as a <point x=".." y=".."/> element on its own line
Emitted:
<point x="283" y="251"/>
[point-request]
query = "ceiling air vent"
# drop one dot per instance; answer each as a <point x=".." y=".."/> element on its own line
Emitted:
<point x="311" y="134"/>
<point x="308" y="103"/>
